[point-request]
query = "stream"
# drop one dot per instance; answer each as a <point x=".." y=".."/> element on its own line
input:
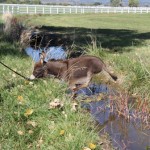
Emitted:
<point x="125" y="134"/>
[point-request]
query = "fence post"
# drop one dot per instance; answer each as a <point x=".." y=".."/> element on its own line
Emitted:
<point x="122" y="10"/>
<point x="57" y="10"/>
<point x="12" y="9"/>
<point x="147" y="10"/>
<point x="114" y="10"/>
<point x="35" y="9"/>
<point x="3" y="9"/>
<point x="43" y="10"/>
<point x="27" y="10"/>
<point x="135" y="10"/>
<point x="50" y="10"/>
<point x="108" y="10"/>
<point x="18" y="9"/>
<point x="8" y="8"/>
<point x="64" y="10"/>
<point x="70" y="10"/>
<point x="76" y="10"/>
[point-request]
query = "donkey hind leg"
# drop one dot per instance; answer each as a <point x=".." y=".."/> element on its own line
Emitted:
<point x="76" y="86"/>
<point x="79" y="83"/>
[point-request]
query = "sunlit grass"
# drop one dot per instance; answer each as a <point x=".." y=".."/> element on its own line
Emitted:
<point x="138" y="22"/>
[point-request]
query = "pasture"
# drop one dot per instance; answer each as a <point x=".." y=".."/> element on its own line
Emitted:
<point x="28" y="120"/>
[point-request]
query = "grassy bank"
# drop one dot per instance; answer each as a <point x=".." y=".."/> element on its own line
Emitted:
<point x="28" y="119"/>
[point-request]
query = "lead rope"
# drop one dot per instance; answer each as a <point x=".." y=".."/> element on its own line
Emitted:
<point x="16" y="72"/>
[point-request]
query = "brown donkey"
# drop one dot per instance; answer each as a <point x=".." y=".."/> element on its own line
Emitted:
<point x="76" y="71"/>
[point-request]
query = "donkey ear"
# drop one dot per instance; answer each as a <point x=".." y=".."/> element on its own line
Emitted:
<point x="41" y="61"/>
<point x="41" y="58"/>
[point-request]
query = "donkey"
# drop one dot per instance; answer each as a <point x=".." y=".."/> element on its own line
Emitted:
<point x="77" y="72"/>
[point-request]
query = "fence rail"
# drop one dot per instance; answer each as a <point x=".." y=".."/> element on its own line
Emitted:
<point x="54" y="9"/>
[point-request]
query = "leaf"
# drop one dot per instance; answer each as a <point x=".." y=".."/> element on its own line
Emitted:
<point x="30" y="132"/>
<point x="92" y="146"/>
<point x="14" y="75"/>
<point x="20" y="132"/>
<point x="40" y="142"/>
<point x="86" y="148"/>
<point x="26" y="82"/>
<point x="28" y="112"/>
<point x="55" y="104"/>
<point x="20" y="100"/>
<point x="30" y="83"/>
<point x="62" y="132"/>
<point x="32" y="123"/>
<point x="74" y="106"/>
<point x="100" y="96"/>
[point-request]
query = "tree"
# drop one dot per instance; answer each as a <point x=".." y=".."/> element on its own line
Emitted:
<point x="133" y="3"/>
<point x="115" y="3"/>
<point x="97" y="3"/>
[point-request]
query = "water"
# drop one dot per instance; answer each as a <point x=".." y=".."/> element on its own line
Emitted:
<point x="125" y="135"/>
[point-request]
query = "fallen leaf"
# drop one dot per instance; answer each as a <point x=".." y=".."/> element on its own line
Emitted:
<point x="100" y="96"/>
<point x="74" y="106"/>
<point x="69" y="137"/>
<point x="14" y="75"/>
<point x="16" y="113"/>
<point x="32" y="123"/>
<point x="30" y="131"/>
<point x="30" y="83"/>
<point x="86" y="148"/>
<point x="55" y="104"/>
<point x="20" y="132"/>
<point x="26" y="82"/>
<point x="62" y="132"/>
<point x="20" y="100"/>
<point x="40" y="142"/>
<point x="30" y="145"/>
<point x="92" y="146"/>
<point x="28" y="112"/>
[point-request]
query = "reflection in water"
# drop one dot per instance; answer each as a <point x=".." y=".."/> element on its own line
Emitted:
<point x="125" y="134"/>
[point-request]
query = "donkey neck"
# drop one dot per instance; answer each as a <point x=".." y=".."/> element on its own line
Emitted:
<point x="56" y="68"/>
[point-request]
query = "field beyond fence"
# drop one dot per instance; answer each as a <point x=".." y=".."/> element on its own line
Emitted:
<point x="56" y="9"/>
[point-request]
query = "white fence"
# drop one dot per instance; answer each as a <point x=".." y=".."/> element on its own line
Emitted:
<point x="53" y="9"/>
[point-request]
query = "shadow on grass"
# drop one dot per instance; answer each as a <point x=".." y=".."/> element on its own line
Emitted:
<point x="113" y="39"/>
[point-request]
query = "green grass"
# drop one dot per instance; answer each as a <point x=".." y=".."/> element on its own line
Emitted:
<point x="78" y="126"/>
<point x="122" y="40"/>
<point x="138" y="22"/>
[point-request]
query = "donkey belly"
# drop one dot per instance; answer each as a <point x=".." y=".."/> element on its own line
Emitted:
<point x="78" y="73"/>
<point x="83" y="80"/>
